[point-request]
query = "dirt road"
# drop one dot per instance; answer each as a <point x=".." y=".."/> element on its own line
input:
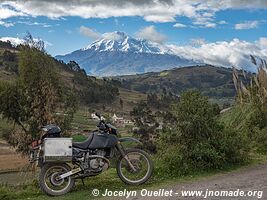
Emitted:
<point x="251" y="180"/>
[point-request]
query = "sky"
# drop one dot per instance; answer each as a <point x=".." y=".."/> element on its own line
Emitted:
<point x="215" y="30"/>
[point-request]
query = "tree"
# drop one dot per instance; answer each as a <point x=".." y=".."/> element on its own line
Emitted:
<point x="37" y="98"/>
<point x="121" y="103"/>
<point x="9" y="56"/>
<point x="146" y="122"/>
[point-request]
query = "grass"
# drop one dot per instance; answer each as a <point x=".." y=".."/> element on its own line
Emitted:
<point x="109" y="180"/>
<point x="78" y="138"/>
<point x="164" y="73"/>
<point x="238" y="116"/>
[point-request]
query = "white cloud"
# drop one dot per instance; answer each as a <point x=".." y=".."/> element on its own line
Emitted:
<point x="247" y="25"/>
<point x="14" y="41"/>
<point x="205" y="23"/>
<point x="88" y="32"/>
<point x="6" y="24"/>
<point x="151" y="34"/>
<point x="179" y="25"/>
<point x="158" y="18"/>
<point x="30" y="23"/>
<point x="7" y="12"/>
<point x="222" y="22"/>
<point x="227" y="54"/>
<point x="151" y="10"/>
<point x="197" y="41"/>
<point x="94" y="35"/>
<point x="112" y="36"/>
<point x="17" y="41"/>
<point x="262" y="42"/>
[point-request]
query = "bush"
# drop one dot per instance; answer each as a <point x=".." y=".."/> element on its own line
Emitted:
<point x="261" y="140"/>
<point x="198" y="141"/>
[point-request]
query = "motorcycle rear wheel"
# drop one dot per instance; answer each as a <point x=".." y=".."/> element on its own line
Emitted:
<point x="49" y="183"/>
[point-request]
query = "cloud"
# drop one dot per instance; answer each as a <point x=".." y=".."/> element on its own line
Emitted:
<point x="112" y="35"/>
<point x="179" y="25"/>
<point x="222" y="22"/>
<point x="17" y="41"/>
<point x="262" y="42"/>
<point x="14" y="41"/>
<point x="197" y="41"/>
<point x="94" y="35"/>
<point x="204" y="22"/>
<point x="199" y="11"/>
<point x="222" y="53"/>
<point x="6" y="24"/>
<point x="247" y="25"/>
<point x="7" y="12"/>
<point x="88" y="32"/>
<point x="151" y="34"/>
<point x="29" y="23"/>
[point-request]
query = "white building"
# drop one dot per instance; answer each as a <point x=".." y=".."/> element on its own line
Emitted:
<point x="116" y="119"/>
<point x="94" y="117"/>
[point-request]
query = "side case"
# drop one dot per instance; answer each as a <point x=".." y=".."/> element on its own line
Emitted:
<point x="57" y="149"/>
<point x="103" y="141"/>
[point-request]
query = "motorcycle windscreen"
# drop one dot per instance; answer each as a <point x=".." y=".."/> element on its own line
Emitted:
<point x="102" y="141"/>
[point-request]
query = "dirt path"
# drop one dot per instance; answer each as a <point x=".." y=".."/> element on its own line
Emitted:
<point x="249" y="179"/>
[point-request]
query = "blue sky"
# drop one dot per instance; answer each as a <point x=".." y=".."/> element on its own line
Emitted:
<point x="70" y="25"/>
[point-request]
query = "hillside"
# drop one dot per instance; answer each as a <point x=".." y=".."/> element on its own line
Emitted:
<point x="96" y="93"/>
<point x="87" y="89"/>
<point x="214" y="82"/>
<point x="107" y="93"/>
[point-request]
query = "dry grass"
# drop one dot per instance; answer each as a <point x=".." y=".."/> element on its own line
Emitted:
<point x="256" y="91"/>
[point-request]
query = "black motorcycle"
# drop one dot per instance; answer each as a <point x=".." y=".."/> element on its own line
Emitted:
<point x="62" y="161"/>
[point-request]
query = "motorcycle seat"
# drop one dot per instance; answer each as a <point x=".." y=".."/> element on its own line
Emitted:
<point x="85" y="144"/>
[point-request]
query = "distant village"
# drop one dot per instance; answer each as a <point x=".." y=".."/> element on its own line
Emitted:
<point x="117" y="121"/>
<point x="120" y="122"/>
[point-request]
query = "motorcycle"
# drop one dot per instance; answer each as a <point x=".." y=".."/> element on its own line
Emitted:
<point x="63" y="161"/>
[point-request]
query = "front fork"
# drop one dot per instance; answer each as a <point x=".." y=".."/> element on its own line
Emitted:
<point x="121" y="150"/>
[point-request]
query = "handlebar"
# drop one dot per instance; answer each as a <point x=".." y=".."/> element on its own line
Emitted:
<point x="102" y="123"/>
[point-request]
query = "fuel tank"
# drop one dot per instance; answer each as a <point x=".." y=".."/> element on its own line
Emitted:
<point x="103" y="141"/>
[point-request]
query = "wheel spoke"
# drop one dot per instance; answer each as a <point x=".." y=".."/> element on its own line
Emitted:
<point x="140" y="163"/>
<point x="52" y="183"/>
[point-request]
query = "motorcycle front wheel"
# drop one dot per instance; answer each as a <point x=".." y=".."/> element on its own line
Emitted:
<point x="49" y="182"/>
<point x="141" y="169"/>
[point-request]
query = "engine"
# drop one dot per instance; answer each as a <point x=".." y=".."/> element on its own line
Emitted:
<point x="93" y="161"/>
<point x="98" y="161"/>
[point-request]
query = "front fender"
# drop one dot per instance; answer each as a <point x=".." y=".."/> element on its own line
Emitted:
<point x="129" y="139"/>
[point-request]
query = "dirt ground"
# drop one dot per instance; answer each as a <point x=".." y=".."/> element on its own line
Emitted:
<point x="250" y="180"/>
<point x="9" y="159"/>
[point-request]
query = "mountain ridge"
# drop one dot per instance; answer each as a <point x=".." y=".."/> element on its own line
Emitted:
<point x="214" y="82"/>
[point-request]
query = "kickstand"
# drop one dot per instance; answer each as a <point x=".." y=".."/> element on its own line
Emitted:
<point x="82" y="181"/>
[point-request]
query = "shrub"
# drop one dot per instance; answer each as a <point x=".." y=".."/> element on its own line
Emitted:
<point x="198" y="141"/>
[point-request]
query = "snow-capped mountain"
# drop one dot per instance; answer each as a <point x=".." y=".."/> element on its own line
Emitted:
<point x="119" y="54"/>
<point x="119" y="41"/>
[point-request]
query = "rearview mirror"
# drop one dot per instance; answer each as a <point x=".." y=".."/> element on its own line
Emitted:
<point x="98" y="115"/>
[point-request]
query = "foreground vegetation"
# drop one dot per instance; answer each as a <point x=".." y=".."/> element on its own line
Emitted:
<point x="109" y="180"/>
